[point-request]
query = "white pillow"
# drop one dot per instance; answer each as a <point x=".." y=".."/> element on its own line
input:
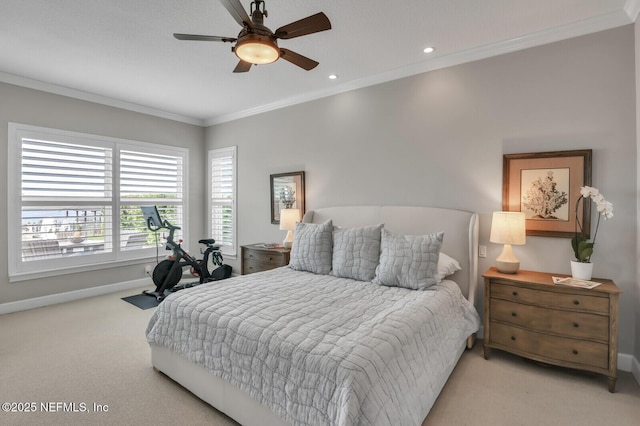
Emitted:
<point x="446" y="266"/>
<point x="408" y="261"/>
<point x="311" y="248"/>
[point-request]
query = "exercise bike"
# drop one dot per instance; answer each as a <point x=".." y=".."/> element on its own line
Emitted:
<point x="168" y="272"/>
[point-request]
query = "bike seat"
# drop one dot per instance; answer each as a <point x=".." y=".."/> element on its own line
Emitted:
<point x="207" y="241"/>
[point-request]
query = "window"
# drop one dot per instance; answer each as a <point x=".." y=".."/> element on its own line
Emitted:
<point x="222" y="201"/>
<point x="74" y="199"/>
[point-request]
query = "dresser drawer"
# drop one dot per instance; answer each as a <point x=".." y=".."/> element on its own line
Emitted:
<point x="263" y="256"/>
<point x="573" y="351"/>
<point x="254" y="266"/>
<point x="550" y="299"/>
<point x="565" y="323"/>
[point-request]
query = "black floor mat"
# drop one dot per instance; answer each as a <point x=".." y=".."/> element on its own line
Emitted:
<point x="142" y="301"/>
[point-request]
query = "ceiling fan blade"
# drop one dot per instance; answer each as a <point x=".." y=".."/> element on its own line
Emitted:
<point x="298" y="59"/>
<point x="237" y="12"/>
<point x="242" y="66"/>
<point x="309" y="25"/>
<point x="203" y="38"/>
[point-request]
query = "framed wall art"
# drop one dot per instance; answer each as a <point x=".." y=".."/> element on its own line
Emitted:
<point x="287" y="192"/>
<point x="546" y="187"/>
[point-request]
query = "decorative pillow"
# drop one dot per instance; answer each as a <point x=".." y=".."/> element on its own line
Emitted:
<point x="446" y="266"/>
<point x="311" y="248"/>
<point x="356" y="252"/>
<point x="409" y="261"/>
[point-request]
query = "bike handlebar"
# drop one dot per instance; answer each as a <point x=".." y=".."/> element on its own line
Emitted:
<point x="171" y="228"/>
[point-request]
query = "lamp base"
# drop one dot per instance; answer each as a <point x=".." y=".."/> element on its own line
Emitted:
<point x="288" y="240"/>
<point x="507" y="262"/>
<point x="507" y="267"/>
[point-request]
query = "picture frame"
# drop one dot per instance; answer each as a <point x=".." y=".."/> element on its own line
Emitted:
<point x="287" y="191"/>
<point x="546" y="187"/>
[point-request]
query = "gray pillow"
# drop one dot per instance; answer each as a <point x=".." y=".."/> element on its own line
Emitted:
<point x="356" y="252"/>
<point x="409" y="261"/>
<point x="311" y="248"/>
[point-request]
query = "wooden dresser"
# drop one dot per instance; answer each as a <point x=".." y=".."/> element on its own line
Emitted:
<point x="527" y="315"/>
<point x="256" y="258"/>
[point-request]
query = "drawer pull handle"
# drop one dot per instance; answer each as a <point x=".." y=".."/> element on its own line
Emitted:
<point x="576" y="302"/>
<point x="270" y="258"/>
<point x="576" y="325"/>
<point x="513" y="338"/>
<point x="575" y="352"/>
<point x="513" y="314"/>
<point x="515" y="293"/>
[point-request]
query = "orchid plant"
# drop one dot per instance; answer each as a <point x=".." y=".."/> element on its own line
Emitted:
<point x="583" y="248"/>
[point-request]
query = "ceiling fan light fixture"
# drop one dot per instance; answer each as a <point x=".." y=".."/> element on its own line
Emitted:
<point x="256" y="44"/>
<point x="257" y="49"/>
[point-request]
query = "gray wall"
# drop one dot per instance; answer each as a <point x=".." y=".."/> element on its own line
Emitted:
<point x="438" y="139"/>
<point x="37" y="108"/>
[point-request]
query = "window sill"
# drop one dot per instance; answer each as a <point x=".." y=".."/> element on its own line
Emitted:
<point x="27" y="276"/>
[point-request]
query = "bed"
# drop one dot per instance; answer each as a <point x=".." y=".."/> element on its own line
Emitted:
<point x="307" y="345"/>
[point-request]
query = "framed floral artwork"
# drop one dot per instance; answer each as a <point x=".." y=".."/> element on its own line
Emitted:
<point x="287" y="192"/>
<point x="545" y="186"/>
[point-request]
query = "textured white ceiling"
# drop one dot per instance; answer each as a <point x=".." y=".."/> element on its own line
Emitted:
<point x="122" y="52"/>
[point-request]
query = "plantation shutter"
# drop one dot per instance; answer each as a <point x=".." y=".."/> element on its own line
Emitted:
<point x="74" y="199"/>
<point x="65" y="188"/>
<point x="150" y="176"/>
<point x="54" y="170"/>
<point x="222" y="203"/>
<point x="149" y="179"/>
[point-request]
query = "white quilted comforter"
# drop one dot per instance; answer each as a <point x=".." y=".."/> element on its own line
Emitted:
<point x="321" y="350"/>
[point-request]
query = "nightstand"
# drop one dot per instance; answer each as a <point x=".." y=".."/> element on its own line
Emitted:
<point x="528" y="315"/>
<point x="256" y="258"/>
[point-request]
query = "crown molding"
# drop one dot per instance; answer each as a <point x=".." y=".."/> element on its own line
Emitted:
<point x="624" y="16"/>
<point x="632" y="8"/>
<point x="576" y="29"/>
<point x="92" y="97"/>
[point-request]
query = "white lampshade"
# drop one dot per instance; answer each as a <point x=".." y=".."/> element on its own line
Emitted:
<point x="288" y="219"/>
<point x="508" y="228"/>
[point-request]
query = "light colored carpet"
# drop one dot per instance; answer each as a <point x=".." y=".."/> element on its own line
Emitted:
<point x="93" y="351"/>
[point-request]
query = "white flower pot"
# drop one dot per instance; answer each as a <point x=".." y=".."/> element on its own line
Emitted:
<point x="581" y="271"/>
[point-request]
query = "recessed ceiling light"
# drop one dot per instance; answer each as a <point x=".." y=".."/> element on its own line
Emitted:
<point x="333" y="76"/>
<point x="429" y="49"/>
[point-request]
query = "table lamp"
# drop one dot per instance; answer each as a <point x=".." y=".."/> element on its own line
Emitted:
<point x="508" y="228"/>
<point x="288" y="219"/>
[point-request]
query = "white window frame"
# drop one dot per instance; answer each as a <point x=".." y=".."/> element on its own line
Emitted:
<point x="19" y="270"/>
<point x="230" y="251"/>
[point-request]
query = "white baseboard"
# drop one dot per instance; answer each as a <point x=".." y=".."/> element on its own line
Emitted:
<point x="626" y="362"/>
<point x="53" y="299"/>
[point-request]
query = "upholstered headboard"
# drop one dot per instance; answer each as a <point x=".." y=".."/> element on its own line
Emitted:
<point x="460" y="231"/>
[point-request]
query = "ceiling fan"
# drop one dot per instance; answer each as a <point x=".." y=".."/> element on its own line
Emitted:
<point x="257" y="44"/>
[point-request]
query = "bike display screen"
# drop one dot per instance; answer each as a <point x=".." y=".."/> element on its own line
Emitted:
<point x="151" y="216"/>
